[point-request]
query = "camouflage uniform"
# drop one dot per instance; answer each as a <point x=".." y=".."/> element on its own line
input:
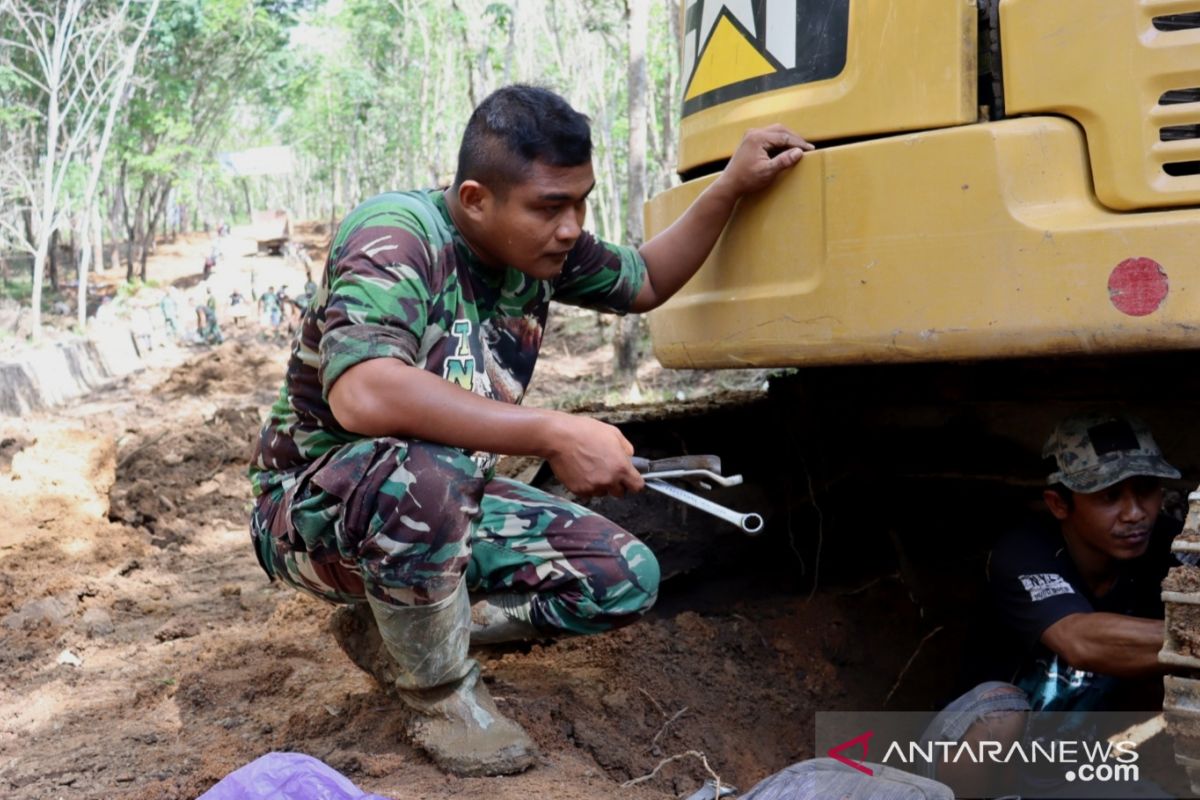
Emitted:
<point x="211" y="330"/>
<point x="341" y="515"/>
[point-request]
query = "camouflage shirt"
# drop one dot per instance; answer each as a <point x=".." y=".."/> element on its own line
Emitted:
<point x="401" y="282"/>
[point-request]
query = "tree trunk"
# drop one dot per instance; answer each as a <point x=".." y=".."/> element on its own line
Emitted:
<point x="352" y="171"/>
<point x="47" y="222"/>
<point x="628" y="329"/>
<point x="116" y="212"/>
<point x="636" y="186"/>
<point x="144" y="255"/>
<point x="246" y="196"/>
<point x="97" y="237"/>
<point x="668" y="110"/>
<point x="159" y="205"/>
<point x="510" y="47"/>
<point x="133" y="229"/>
<point x="88" y="230"/>
<point x="75" y="96"/>
<point x="199" y="202"/>
<point x="39" y="263"/>
<point x="52" y="261"/>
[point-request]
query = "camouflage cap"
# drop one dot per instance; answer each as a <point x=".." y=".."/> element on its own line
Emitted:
<point x="1096" y="450"/>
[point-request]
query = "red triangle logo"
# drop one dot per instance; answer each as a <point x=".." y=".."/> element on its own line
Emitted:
<point x="862" y="740"/>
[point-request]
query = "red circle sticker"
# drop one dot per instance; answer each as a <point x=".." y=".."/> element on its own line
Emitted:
<point x="1138" y="286"/>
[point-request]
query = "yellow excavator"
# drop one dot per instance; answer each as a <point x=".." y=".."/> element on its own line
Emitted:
<point x="1000" y="225"/>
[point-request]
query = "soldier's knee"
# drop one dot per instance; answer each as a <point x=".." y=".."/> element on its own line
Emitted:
<point x="649" y="574"/>
<point x="637" y="593"/>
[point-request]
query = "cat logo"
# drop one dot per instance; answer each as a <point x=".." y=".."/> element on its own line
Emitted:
<point x="734" y="48"/>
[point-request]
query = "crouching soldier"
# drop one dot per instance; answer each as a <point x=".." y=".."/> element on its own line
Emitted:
<point x="374" y="472"/>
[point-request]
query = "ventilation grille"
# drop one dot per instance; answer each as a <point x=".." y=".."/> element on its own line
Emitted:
<point x="1178" y="22"/>
<point x="1178" y="115"/>
<point x="1177" y="96"/>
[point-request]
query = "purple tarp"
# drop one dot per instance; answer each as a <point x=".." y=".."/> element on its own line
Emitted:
<point x="286" y="776"/>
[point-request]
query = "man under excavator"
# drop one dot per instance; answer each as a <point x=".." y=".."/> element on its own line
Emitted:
<point x="1074" y="619"/>
<point x="373" y="474"/>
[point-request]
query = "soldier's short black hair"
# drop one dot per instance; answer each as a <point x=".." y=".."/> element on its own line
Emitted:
<point x="515" y="126"/>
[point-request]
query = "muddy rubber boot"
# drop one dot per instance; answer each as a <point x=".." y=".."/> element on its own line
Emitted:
<point x="500" y="618"/>
<point x="454" y="719"/>
<point x="353" y="627"/>
<point x="460" y="728"/>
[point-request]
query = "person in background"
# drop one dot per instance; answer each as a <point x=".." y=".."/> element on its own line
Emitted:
<point x="169" y="308"/>
<point x="238" y="308"/>
<point x="208" y="327"/>
<point x="268" y="306"/>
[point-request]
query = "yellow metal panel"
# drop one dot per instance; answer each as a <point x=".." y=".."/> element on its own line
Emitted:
<point x="981" y="241"/>
<point x="910" y="65"/>
<point x="1107" y="66"/>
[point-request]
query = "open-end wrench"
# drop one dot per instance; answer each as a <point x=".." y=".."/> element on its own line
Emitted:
<point x="655" y="474"/>
<point x="750" y="523"/>
<point x="689" y="468"/>
<point x="700" y="462"/>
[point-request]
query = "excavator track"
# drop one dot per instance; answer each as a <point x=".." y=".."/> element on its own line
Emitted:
<point x="1181" y="646"/>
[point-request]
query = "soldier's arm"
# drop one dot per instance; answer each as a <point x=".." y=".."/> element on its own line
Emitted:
<point x="386" y="397"/>
<point x="1109" y="644"/>
<point x="673" y="256"/>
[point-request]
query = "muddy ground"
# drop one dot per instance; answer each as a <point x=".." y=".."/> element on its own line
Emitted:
<point x="143" y="653"/>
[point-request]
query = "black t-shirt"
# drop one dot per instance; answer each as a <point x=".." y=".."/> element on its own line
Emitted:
<point x="1032" y="583"/>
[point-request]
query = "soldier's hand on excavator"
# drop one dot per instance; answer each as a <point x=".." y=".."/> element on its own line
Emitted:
<point x="761" y="156"/>
<point x="592" y="458"/>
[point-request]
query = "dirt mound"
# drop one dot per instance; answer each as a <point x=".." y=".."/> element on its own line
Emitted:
<point x="181" y="478"/>
<point x="238" y="367"/>
<point x="173" y="479"/>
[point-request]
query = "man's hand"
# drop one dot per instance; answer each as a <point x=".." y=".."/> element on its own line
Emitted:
<point x="762" y="155"/>
<point x="673" y="256"/>
<point x="591" y="457"/>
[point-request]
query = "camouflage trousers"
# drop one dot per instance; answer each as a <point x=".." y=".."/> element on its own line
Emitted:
<point x="406" y="521"/>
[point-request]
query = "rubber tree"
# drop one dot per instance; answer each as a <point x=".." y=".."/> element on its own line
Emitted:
<point x="71" y="56"/>
<point x="205" y="58"/>
<point x="629" y="328"/>
<point x="92" y="233"/>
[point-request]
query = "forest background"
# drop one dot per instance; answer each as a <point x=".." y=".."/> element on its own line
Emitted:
<point x="118" y="117"/>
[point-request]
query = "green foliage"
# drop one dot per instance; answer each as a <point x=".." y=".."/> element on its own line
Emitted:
<point x="287" y="11"/>
<point x="13" y="114"/>
<point x="132" y="288"/>
<point x="500" y="14"/>
<point x="211" y="76"/>
<point x="370" y="94"/>
<point x="19" y="288"/>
